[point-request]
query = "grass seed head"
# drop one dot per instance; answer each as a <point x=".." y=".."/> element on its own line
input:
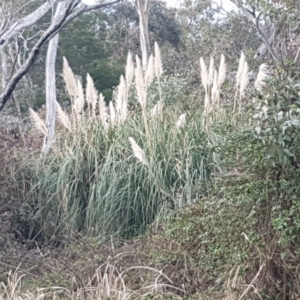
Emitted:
<point x="38" y="122"/>
<point x="129" y="71"/>
<point x="138" y="151"/>
<point x="63" y="116"/>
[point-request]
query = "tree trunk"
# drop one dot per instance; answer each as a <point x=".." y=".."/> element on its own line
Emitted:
<point x="51" y="87"/>
<point x="142" y="7"/>
<point x="3" y="69"/>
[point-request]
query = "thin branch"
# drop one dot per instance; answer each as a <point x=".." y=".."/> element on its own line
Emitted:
<point x="269" y="47"/>
<point x="25" y="22"/>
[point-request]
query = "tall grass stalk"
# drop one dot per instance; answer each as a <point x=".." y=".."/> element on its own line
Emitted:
<point x="158" y="72"/>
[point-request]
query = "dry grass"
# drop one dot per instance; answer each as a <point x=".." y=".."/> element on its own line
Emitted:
<point x="106" y="283"/>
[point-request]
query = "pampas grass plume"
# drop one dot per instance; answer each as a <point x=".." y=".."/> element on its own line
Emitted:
<point x="261" y="77"/>
<point x="244" y="79"/>
<point x="215" y="88"/>
<point x="149" y="72"/>
<point x="129" y="71"/>
<point x="38" y="122"/>
<point x="240" y="70"/>
<point x="79" y="102"/>
<point x="211" y="71"/>
<point x="121" y="109"/>
<point x="102" y="110"/>
<point x="139" y="83"/>
<point x="222" y="71"/>
<point x="112" y="113"/>
<point x="156" y="111"/>
<point x="181" y="121"/>
<point x="91" y="93"/>
<point x="63" y="116"/>
<point x="69" y="79"/>
<point x="137" y="151"/>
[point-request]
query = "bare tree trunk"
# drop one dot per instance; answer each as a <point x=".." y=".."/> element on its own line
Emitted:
<point x="51" y="87"/>
<point x="50" y="94"/>
<point x="3" y="68"/>
<point x="142" y="7"/>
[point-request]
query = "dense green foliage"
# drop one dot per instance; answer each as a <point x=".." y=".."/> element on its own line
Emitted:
<point x="215" y="203"/>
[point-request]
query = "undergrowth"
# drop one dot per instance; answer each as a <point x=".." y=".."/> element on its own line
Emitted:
<point x="209" y="198"/>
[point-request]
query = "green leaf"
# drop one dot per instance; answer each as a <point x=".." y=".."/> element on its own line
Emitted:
<point x="287" y="151"/>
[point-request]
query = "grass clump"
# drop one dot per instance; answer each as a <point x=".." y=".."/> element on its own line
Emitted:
<point x="110" y="174"/>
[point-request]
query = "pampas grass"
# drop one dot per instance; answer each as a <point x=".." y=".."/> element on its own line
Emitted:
<point x="156" y="111"/>
<point x="149" y="76"/>
<point x="112" y="112"/>
<point x="204" y="74"/>
<point x="62" y="116"/>
<point x="205" y="82"/>
<point x="102" y="110"/>
<point x="158" y="71"/>
<point x="69" y="79"/>
<point x="79" y="102"/>
<point x="262" y="75"/>
<point x="239" y="73"/>
<point x="211" y="71"/>
<point x="137" y="151"/>
<point x="215" y="90"/>
<point x="222" y="71"/>
<point x="181" y="121"/>
<point x="142" y="93"/>
<point x="38" y="122"/>
<point x="91" y="94"/>
<point x="129" y="70"/>
<point x="121" y="101"/>
<point x="140" y="83"/>
<point x="242" y="80"/>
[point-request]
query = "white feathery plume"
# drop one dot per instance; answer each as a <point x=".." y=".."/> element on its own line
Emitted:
<point x="63" y="116"/>
<point x="156" y="111"/>
<point x="215" y="88"/>
<point x="261" y="77"/>
<point x="112" y="113"/>
<point x="244" y="79"/>
<point x="102" y="110"/>
<point x="158" y="61"/>
<point x="239" y="73"/>
<point x="121" y="103"/>
<point x="181" y="121"/>
<point x="138" y="151"/>
<point x="222" y="71"/>
<point x="69" y="79"/>
<point x="211" y="71"/>
<point x="139" y="83"/>
<point x="204" y="73"/>
<point x="129" y="71"/>
<point x="91" y="93"/>
<point x="79" y="102"/>
<point x="149" y="76"/>
<point x="38" y="122"/>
